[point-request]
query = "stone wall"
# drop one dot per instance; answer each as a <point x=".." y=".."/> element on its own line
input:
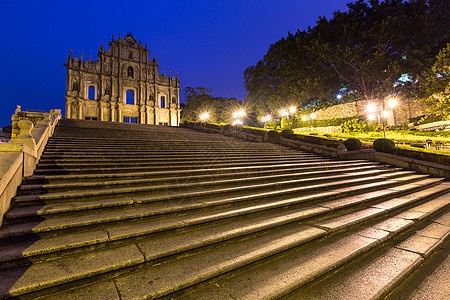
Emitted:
<point x="405" y="110"/>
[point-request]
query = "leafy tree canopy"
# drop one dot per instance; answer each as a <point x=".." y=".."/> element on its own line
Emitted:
<point x="199" y="100"/>
<point x="435" y="88"/>
<point x="375" y="50"/>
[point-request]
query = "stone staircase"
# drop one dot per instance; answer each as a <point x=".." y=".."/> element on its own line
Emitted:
<point x="126" y="211"/>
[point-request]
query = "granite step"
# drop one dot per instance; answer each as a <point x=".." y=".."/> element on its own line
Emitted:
<point x="316" y="166"/>
<point x="168" y="165"/>
<point x="226" y="186"/>
<point x="154" y="155"/>
<point x="80" y="163"/>
<point x="184" y="204"/>
<point x="243" y="218"/>
<point x="241" y="205"/>
<point x="25" y="189"/>
<point x="289" y="273"/>
<point x="377" y="274"/>
<point x="209" y="262"/>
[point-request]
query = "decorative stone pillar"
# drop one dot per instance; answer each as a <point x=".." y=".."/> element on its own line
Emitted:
<point x="341" y="149"/>
<point x="142" y="114"/>
<point x="24" y="137"/>
<point x="68" y="110"/>
<point x="102" y="110"/>
<point x="119" y="112"/>
<point x="155" y="115"/>
<point x="112" y="109"/>
<point x="80" y="110"/>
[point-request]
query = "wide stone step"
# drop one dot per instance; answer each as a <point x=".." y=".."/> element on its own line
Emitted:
<point x="281" y="174"/>
<point x="382" y="270"/>
<point x="149" y="154"/>
<point x="208" y="262"/>
<point x="179" y="204"/>
<point x="316" y="166"/>
<point x="163" y="166"/>
<point x="287" y="272"/>
<point x="227" y="186"/>
<point x="79" y="163"/>
<point x="246" y="215"/>
<point x="162" y="150"/>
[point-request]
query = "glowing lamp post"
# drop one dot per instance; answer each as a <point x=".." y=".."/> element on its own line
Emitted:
<point x="309" y="118"/>
<point x="237" y="115"/>
<point x="266" y="119"/>
<point x="203" y="117"/>
<point x="378" y="111"/>
<point x="286" y="112"/>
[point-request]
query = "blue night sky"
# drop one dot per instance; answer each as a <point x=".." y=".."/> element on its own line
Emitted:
<point x="208" y="42"/>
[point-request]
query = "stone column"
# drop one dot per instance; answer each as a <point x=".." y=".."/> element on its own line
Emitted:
<point x="102" y="111"/>
<point x="142" y="118"/>
<point x="80" y="110"/>
<point x="113" y="111"/>
<point x="155" y="115"/>
<point x="68" y="110"/>
<point x="119" y="112"/>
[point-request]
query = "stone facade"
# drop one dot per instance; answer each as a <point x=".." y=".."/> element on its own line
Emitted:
<point x="123" y="85"/>
<point x="399" y="115"/>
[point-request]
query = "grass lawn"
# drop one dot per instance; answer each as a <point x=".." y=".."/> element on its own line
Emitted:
<point x="396" y="136"/>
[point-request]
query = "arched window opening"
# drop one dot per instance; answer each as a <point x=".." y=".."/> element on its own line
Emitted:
<point x="130" y="56"/>
<point x="130" y="97"/>
<point x="163" y="102"/>
<point x="91" y="93"/>
<point x="130" y="72"/>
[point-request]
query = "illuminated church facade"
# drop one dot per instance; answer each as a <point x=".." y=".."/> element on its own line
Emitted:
<point x="123" y="85"/>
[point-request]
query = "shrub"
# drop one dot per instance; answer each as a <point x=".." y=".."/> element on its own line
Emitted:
<point x="417" y="145"/>
<point x="271" y="125"/>
<point x="287" y="133"/>
<point x="353" y="144"/>
<point x="284" y="123"/>
<point x="353" y="125"/>
<point x="273" y="136"/>
<point x="384" y="145"/>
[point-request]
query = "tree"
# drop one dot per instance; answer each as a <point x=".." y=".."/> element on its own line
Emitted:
<point x="199" y="100"/>
<point x="375" y="50"/>
<point x="436" y="84"/>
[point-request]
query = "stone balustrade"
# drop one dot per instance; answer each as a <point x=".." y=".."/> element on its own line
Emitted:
<point x="18" y="158"/>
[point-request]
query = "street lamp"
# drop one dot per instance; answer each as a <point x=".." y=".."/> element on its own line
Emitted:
<point x="378" y="111"/>
<point x="308" y="118"/>
<point x="286" y="112"/>
<point x="266" y="118"/>
<point x="237" y="115"/>
<point x="292" y="109"/>
<point x="203" y="117"/>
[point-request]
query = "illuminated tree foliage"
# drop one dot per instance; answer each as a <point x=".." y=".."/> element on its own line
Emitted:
<point x="376" y="49"/>
<point x="199" y="100"/>
<point x="436" y="84"/>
